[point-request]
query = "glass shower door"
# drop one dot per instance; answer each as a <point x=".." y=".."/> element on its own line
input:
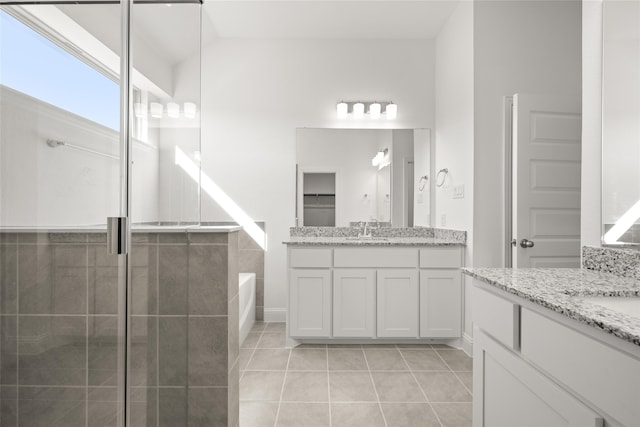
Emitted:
<point x="62" y="295"/>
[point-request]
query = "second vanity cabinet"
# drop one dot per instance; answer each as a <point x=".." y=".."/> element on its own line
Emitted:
<point x="375" y="292"/>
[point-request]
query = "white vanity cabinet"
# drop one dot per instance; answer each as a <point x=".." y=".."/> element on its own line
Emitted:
<point x="534" y="367"/>
<point x="375" y="292"/>
<point x="397" y="303"/>
<point x="354" y="303"/>
<point x="310" y="303"/>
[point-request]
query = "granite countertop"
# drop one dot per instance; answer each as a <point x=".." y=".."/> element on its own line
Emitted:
<point x="560" y="289"/>
<point x="376" y="241"/>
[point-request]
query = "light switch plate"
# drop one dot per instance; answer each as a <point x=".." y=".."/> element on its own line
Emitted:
<point x="458" y="191"/>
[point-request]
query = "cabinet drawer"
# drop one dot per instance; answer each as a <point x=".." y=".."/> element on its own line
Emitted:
<point x="310" y="258"/>
<point x="497" y="316"/>
<point x="375" y="257"/>
<point x="441" y="257"/>
<point x="601" y="374"/>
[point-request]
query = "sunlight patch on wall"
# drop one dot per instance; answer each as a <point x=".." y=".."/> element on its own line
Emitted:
<point x="625" y="222"/>
<point x="220" y="197"/>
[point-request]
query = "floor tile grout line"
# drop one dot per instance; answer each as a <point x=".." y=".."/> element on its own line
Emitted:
<point x="462" y="382"/>
<point x="253" y="351"/>
<point x="284" y="382"/>
<point x="424" y="394"/>
<point x="375" y="389"/>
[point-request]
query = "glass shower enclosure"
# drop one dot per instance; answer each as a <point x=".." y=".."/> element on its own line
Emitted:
<point x="98" y="100"/>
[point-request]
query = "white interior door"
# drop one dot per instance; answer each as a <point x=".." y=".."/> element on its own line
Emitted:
<point x="546" y="181"/>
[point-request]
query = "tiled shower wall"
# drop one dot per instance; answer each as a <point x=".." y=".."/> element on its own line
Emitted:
<point x="58" y="342"/>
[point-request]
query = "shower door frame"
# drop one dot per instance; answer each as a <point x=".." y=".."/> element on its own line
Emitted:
<point x="123" y="412"/>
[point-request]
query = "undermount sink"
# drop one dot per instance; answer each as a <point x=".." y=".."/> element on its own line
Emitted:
<point x="627" y="305"/>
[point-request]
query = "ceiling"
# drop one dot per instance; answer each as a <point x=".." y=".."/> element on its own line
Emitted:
<point x="171" y="32"/>
<point x="322" y="19"/>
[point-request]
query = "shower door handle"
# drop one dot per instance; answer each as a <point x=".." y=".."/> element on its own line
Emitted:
<point x="117" y="235"/>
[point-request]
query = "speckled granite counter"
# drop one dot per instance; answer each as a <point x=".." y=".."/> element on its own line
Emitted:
<point x="387" y="241"/>
<point x="384" y="236"/>
<point x="560" y="289"/>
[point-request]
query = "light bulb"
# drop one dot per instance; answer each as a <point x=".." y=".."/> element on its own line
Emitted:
<point x="173" y="110"/>
<point x="156" y="109"/>
<point x="374" y="110"/>
<point x="190" y="110"/>
<point x="140" y="110"/>
<point x="358" y="110"/>
<point x="392" y="111"/>
<point x="341" y="110"/>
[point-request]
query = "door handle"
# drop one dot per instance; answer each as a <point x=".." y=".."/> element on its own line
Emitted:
<point x="524" y="243"/>
<point x="117" y="235"/>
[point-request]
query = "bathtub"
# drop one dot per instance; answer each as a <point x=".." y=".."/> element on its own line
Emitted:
<point x="247" y="303"/>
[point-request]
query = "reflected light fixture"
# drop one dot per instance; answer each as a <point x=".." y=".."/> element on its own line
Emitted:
<point x="378" y="159"/>
<point x="342" y="109"/>
<point x="361" y="109"/>
<point x="374" y="110"/>
<point x="173" y="110"/>
<point x="391" y="111"/>
<point x="140" y="110"/>
<point x="189" y="110"/>
<point x="156" y="110"/>
<point x="358" y="110"/>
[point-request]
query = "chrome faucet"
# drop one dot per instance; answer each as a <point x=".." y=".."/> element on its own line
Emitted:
<point x="364" y="231"/>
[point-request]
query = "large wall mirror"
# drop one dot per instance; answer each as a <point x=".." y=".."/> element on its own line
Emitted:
<point x="621" y="122"/>
<point x="347" y="176"/>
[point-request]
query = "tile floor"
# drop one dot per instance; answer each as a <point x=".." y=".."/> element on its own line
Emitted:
<point x="351" y="385"/>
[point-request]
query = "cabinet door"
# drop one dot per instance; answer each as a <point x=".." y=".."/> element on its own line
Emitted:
<point x="310" y="303"/>
<point x="397" y="303"/>
<point x="509" y="392"/>
<point x="354" y="303"/>
<point x="440" y="303"/>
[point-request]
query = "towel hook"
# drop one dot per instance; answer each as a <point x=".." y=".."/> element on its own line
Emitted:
<point x="422" y="182"/>
<point x="444" y="172"/>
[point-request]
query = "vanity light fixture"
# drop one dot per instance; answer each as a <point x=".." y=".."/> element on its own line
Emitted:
<point x="156" y="110"/>
<point x="173" y="110"/>
<point x="140" y="110"/>
<point x="374" y="110"/>
<point x="342" y="110"/>
<point x="360" y="109"/>
<point x="189" y="110"/>
<point x="378" y="159"/>
<point x="391" y="111"/>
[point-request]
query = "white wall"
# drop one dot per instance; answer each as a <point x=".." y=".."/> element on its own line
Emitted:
<point x="44" y="186"/>
<point x="519" y="47"/>
<point x="591" y="122"/>
<point x="454" y="131"/>
<point x="255" y="95"/>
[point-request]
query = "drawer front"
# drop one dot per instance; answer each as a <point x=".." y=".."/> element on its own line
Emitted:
<point x="441" y="257"/>
<point x="310" y="258"/>
<point x="376" y="257"/>
<point x="601" y="374"/>
<point x="497" y="316"/>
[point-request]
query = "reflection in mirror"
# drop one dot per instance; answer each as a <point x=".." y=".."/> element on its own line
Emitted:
<point x="379" y="175"/>
<point x="621" y="122"/>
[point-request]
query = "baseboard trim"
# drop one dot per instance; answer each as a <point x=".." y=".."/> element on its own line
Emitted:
<point x="467" y="344"/>
<point x="275" y="315"/>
